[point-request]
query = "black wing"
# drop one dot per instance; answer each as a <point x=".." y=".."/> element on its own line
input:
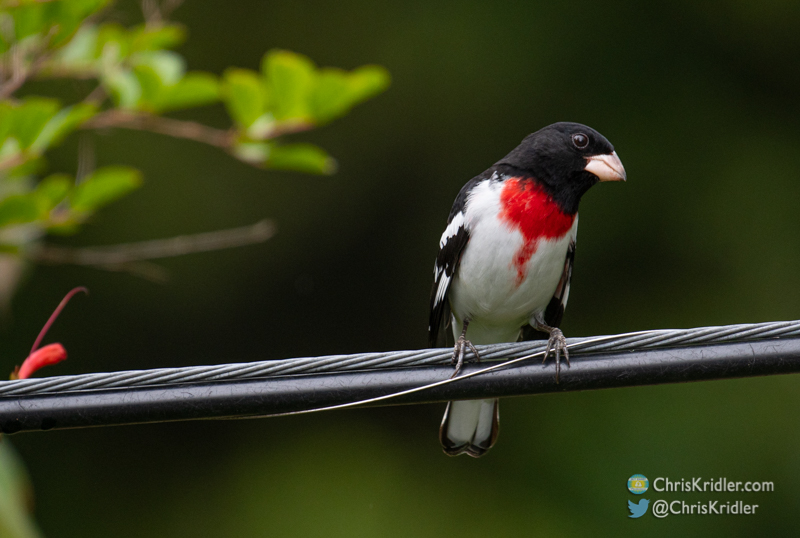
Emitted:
<point x="555" y="309"/>
<point x="451" y="247"/>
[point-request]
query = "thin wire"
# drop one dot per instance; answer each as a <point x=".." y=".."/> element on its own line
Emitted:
<point x="432" y="385"/>
<point x="397" y="359"/>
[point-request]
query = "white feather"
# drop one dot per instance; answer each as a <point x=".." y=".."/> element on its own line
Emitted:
<point x="441" y="290"/>
<point x="452" y="228"/>
<point x="486" y="287"/>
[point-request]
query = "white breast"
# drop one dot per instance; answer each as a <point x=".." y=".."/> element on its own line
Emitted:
<point x="486" y="286"/>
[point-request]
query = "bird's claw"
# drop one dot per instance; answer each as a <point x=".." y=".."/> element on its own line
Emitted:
<point x="558" y="344"/>
<point x="459" y="351"/>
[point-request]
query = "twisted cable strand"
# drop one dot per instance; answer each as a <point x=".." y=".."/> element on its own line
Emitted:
<point x="661" y="338"/>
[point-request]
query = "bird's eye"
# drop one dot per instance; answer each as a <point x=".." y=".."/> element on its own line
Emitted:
<point x="580" y="140"/>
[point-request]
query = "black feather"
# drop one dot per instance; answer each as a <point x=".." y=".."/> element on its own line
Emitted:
<point x="446" y="264"/>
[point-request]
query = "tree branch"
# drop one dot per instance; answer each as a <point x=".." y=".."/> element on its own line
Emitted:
<point x="147" y="122"/>
<point x="130" y="256"/>
<point x="288" y="127"/>
<point x="19" y="73"/>
<point x="14" y="160"/>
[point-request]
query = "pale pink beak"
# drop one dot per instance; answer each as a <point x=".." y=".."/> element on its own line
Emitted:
<point x="606" y="167"/>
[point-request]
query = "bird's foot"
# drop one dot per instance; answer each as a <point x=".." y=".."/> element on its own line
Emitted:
<point x="557" y="343"/>
<point x="460" y="349"/>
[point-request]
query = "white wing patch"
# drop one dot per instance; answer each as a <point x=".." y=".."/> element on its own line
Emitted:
<point x="451" y="246"/>
<point x="444" y="283"/>
<point x="452" y="228"/>
<point x="439" y="273"/>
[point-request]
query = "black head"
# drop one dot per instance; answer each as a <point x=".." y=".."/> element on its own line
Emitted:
<point x="566" y="159"/>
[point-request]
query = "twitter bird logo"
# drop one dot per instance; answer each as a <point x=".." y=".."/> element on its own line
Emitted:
<point x="640" y="509"/>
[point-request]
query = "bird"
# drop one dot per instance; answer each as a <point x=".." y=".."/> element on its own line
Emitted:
<point x="504" y="264"/>
<point x="638" y="509"/>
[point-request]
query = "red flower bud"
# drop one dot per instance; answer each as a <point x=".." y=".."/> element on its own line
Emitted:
<point x="49" y="354"/>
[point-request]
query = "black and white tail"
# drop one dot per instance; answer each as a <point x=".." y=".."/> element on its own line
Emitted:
<point x="470" y="427"/>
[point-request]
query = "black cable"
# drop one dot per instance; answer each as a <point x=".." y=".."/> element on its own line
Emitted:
<point x="243" y="398"/>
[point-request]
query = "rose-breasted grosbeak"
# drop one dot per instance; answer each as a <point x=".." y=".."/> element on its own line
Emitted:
<point x="505" y="259"/>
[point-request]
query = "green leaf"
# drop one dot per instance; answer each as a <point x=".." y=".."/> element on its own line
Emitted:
<point x="337" y="91"/>
<point x="51" y="191"/>
<point x="195" y="89"/>
<point x="18" y="209"/>
<point x="290" y="78"/>
<point x="151" y="37"/>
<point x="55" y="21"/>
<point x="252" y="152"/>
<point x="21" y="123"/>
<point x="157" y="71"/>
<point x="301" y="158"/>
<point x="51" y="23"/>
<point x="29" y="20"/>
<point x="6" y="119"/>
<point x="66" y="120"/>
<point x="113" y="44"/>
<point x="10" y="149"/>
<point x="150" y="86"/>
<point x="368" y="81"/>
<point x="104" y="186"/>
<point x="245" y="96"/>
<point x="332" y="96"/>
<point x="15" y="492"/>
<point x="30" y="117"/>
<point x="30" y="165"/>
<point x="68" y="15"/>
<point x="81" y="51"/>
<point x="169" y="65"/>
<point x="124" y="87"/>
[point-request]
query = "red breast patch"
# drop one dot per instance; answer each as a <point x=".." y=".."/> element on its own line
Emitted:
<point x="527" y="208"/>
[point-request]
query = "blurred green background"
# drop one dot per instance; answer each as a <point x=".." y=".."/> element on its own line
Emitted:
<point x="701" y="102"/>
